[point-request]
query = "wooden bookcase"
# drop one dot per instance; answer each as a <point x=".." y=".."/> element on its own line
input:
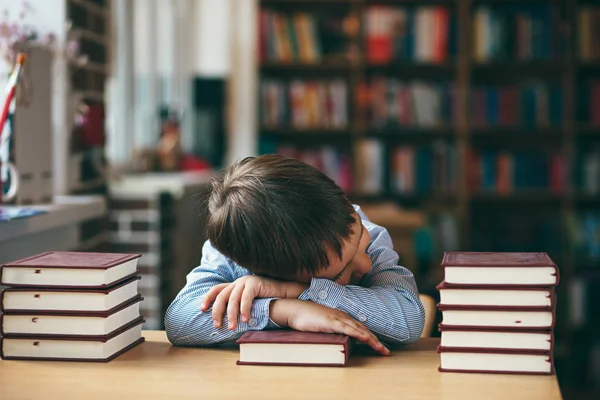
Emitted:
<point x="476" y="211"/>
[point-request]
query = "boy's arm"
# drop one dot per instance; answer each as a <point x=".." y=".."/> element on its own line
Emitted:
<point x="187" y="325"/>
<point x="388" y="304"/>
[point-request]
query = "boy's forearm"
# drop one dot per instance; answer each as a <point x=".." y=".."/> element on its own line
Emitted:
<point x="394" y="314"/>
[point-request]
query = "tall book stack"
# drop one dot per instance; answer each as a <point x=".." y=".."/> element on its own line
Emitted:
<point x="73" y="306"/>
<point x="498" y="313"/>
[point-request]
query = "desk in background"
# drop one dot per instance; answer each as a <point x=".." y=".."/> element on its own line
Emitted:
<point x="158" y="370"/>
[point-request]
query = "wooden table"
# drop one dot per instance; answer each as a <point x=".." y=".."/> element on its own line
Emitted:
<point x="158" y="370"/>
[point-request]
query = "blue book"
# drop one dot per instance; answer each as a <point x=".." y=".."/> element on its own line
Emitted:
<point x="488" y="161"/>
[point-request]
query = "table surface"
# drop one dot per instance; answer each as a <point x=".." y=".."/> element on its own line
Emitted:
<point x="156" y="369"/>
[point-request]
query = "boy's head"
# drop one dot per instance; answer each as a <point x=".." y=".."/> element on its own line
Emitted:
<point x="282" y="218"/>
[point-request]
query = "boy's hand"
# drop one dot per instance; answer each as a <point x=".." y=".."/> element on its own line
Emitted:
<point x="238" y="296"/>
<point x="312" y="317"/>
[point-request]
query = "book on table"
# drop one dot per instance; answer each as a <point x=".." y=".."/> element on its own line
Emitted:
<point x="72" y="348"/>
<point x="289" y="347"/>
<point x="495" y="361"/>
<point x="62" y="269"/>
<point x="68" y="299"/>
<point x="490" y="269"/>
<point x="505" y="296"/>
<point x="70" y="323"/>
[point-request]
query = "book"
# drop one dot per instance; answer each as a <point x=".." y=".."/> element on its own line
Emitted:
<point x="495" y="361"/>
<point x="452" y="294"/>
<point x="70" y="299"/>
<point x="464" y="337"/>
<point x="493" y="269"/>
<point x="68" y="323"/>
<point x="69" y="269"/>
<point x="514" y="318"/>
<point x="61" y="348"/>
<point x="288" y="347"/>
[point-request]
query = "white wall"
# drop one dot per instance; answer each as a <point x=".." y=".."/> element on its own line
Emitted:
<point x="49" y="16"/>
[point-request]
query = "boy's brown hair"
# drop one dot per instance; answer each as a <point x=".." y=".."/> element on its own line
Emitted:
<point x="277" y="216"/>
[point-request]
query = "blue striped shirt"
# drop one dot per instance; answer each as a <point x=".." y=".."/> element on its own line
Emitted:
<point x="387" y="302"/>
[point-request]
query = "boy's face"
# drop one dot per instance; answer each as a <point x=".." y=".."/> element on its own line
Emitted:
<point x="355" y="261"/>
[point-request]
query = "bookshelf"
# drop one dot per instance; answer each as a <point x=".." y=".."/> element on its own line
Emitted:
<point x="511" y="87"/>
<point x="90" y="21"/>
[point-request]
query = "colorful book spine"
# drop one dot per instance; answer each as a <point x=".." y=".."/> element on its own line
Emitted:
<point x="300" y="104"/>
<point x="530" y="105"/>
<point x="503" y="172"/>
<point x="424" y="34"/>
<point x="424" y="169"/>
<point x="523" y="33"/>
<point x="394" y="103"/>
<point x="334" y="163"/>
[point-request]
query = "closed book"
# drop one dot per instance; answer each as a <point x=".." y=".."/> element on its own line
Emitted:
<point x="58" y="269"/>
<point x="67" y="323"/>
<point x="60" y="348"/>
<point x="499" y="338"/>
<point x="68" y="299"/>
<point x="505" y="361"/>
<point x="490" y="317"/>
<point x="288" y="347"/>
<point x="499" y="269"/>
<point x="508" y="296"/>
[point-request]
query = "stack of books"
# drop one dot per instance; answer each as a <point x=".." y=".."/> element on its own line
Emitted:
<point x="72" y="306"/>
<point x="498" y="313"/>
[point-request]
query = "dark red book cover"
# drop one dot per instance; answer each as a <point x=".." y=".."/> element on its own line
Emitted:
<point x="496" y="259"/>
<point x="296" y="337"/>
<point x="72" y="259"/>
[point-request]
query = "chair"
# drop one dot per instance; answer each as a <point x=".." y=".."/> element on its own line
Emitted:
<point x="430" y="309"/>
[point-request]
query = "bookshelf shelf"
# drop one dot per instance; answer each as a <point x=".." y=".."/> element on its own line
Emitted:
<point x="516" y="198"/>
<point x="318" y="66"/>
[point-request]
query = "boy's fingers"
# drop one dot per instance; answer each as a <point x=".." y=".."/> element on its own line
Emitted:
<point x="366" y="336"/>
<point x="246" y="304"/>
<point x="220" y="304"/>
<point x="210" y="296"/>
<point x="233" y="307"/>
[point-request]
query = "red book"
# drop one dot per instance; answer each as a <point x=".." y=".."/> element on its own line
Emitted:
<point x="500" y="269"/>
<point x="66" y="269"/>
<point x="503" y="361"/>
<point x="289" y="347"/>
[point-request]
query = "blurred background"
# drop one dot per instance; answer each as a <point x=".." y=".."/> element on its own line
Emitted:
<point x="467" y="125"/>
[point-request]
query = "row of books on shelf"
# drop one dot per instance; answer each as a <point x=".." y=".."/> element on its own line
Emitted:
<point x="422" y="169"/>
<point x="392" y="102"/>
<point x="304" y="104"/>
<point x="335" y="163"/>
<point x="530" y="104"/>
<point x="504" y="172"/>
<point x="301" y="37"/>
<point x="523" y="33"/>
<point x="433" y="168"/>
<point x="589" y="35"/>
<point x="421" y="34"/>
<point x="584" y="232"/>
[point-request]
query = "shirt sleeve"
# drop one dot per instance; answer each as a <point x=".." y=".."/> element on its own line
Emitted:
<point x="187" y="325"/>
<point x="387" y="302"/>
